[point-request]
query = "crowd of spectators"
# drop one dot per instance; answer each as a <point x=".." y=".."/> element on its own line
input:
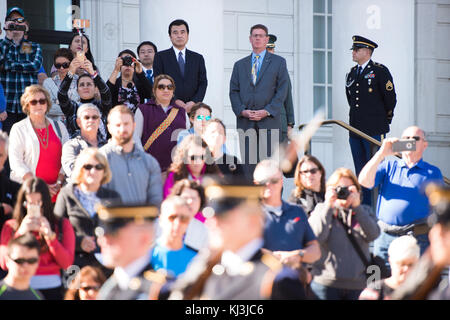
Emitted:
<point x="146" y="136"/>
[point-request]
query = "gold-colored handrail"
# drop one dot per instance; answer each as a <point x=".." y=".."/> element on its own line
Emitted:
<point x="357" y="132"/>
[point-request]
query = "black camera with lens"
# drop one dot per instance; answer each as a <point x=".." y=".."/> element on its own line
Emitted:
<point x="127" y="61"/>
<point x="16" y="27"/>
<point x="342" y="192"/>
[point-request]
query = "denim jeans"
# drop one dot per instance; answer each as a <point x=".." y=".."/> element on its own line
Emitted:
<point x="381" y="245"/>
<point x="328" y="293"/>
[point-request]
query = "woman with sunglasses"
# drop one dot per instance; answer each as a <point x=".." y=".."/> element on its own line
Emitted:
<point x="86" y="284"/>
<point x="61" y="60"/>
<point x="78" y="199"/>
<point x="192" y="160"/>
<point x="34" y="213"/>
<point x="158" y="120"/>
<point x="35" y="145"/>
<point x="132" y="87"/>
<point x="340" y="273"/>
<point x="310" y="184"/>
<point x="88" y="119"/>
<point x="199" y="116"/>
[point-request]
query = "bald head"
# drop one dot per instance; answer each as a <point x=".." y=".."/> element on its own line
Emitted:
<point x="414" y="132"/>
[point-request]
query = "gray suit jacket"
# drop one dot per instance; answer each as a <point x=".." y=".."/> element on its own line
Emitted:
<point x="269" y="92"/>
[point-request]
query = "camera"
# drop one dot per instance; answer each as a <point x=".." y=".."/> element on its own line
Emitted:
<point x="342" y="192"/>
<point x="16" y="27"/>
<point x="127" y="61"/>
<point x="404" y="145"/>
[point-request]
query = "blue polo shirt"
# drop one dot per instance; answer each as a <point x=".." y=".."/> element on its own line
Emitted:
<point x="290" y="231"/>
<point x="401" y="196"/>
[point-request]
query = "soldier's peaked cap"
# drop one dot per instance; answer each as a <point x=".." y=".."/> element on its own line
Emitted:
<point x="113" y="217"/>
<point x="227" y="193"/>
<point x="361" y="42"/>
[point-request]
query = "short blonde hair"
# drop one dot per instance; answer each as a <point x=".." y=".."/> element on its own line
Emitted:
<point x="81" y="161"/>
<point x="27" y="97"/>
<point x="343" y="173"/>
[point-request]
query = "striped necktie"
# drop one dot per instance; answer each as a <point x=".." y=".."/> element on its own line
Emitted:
<point x="255" y="69"/>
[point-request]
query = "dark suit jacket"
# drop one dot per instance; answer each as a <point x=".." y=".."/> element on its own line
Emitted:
<point x="269" y="92"/>
<point x="191" y="87"/>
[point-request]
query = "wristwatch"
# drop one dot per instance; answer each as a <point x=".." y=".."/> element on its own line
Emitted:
<point x="301" y="253"/>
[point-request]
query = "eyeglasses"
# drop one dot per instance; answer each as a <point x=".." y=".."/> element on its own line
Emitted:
<point x="195" y="157"/>
<point x="19" y="20"/>
<point x="87" y="288"/>
<point x="21" y="261"/>
<point x="312" y="171"/>
<point x="417" y="138"/>
<point x="98" y="167"/>
<point x="91" y="117"/>
<point x="40" y="101"/>
<point x="64" y="65"/>
<point x="163" y="86"/>
<point x="183" y="218"/>
<point x="201" y="118"/>
<point x="268" y="181"/>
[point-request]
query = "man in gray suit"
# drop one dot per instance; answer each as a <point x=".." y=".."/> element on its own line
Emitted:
<point x="258" y="89"/>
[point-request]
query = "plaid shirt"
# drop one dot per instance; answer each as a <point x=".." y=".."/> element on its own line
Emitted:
<point x="18" y="70"/>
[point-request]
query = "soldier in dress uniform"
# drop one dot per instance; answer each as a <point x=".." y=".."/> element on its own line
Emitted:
<point x="237" y="268"/>
<point x="371" y="95"/>
<point x="125" y="236"/>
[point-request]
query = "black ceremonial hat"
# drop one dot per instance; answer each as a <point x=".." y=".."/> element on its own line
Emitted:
<point x="272" y="40"/>
<point x="361" y="42"/>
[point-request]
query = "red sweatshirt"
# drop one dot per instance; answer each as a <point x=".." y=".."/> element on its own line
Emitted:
<point x="58" y="256"/>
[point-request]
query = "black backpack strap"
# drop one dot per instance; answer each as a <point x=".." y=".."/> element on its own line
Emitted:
<point x="352" y="239"/>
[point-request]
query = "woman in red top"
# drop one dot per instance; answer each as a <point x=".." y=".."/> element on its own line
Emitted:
<point x="33" y="213"/>
<point x="36" y="142"/>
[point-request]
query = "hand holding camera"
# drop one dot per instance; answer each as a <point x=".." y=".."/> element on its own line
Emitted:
<point x="31" y="221"/>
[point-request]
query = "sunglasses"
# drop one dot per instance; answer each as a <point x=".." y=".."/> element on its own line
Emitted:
<point x="163" y="86"/>
<point x="201" y="118"/>
<point x="40" y="101"/>
<point x="312" y="171"/>
<point x="417" y="138"/>
<point x="64" y="65"/>
<point x="98" y="167"/>
<point x="19" y="20"/>
<point x="182" y="218"/>
<point x="91" y="117"/>
<point x="22" y="261"/>
<point x="268" y="181"/>
<point x="193" y="157"/>
<point x="87" y="288"/>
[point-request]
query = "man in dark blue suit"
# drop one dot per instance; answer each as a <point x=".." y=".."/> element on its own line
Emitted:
<point x="186" y="67"/>
<point x="146" y="52"/>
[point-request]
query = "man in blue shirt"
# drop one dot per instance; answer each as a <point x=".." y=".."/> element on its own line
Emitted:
<point x="402" y="206"/>
<point x="287" y="232"/>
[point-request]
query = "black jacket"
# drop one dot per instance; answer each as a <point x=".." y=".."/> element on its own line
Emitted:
<point x="191" y="87"/>
<point x="371" y="98"/>
<point x="142" y="84"/>
<point x="8" y="193"/>
<point x="68" y="206"/>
